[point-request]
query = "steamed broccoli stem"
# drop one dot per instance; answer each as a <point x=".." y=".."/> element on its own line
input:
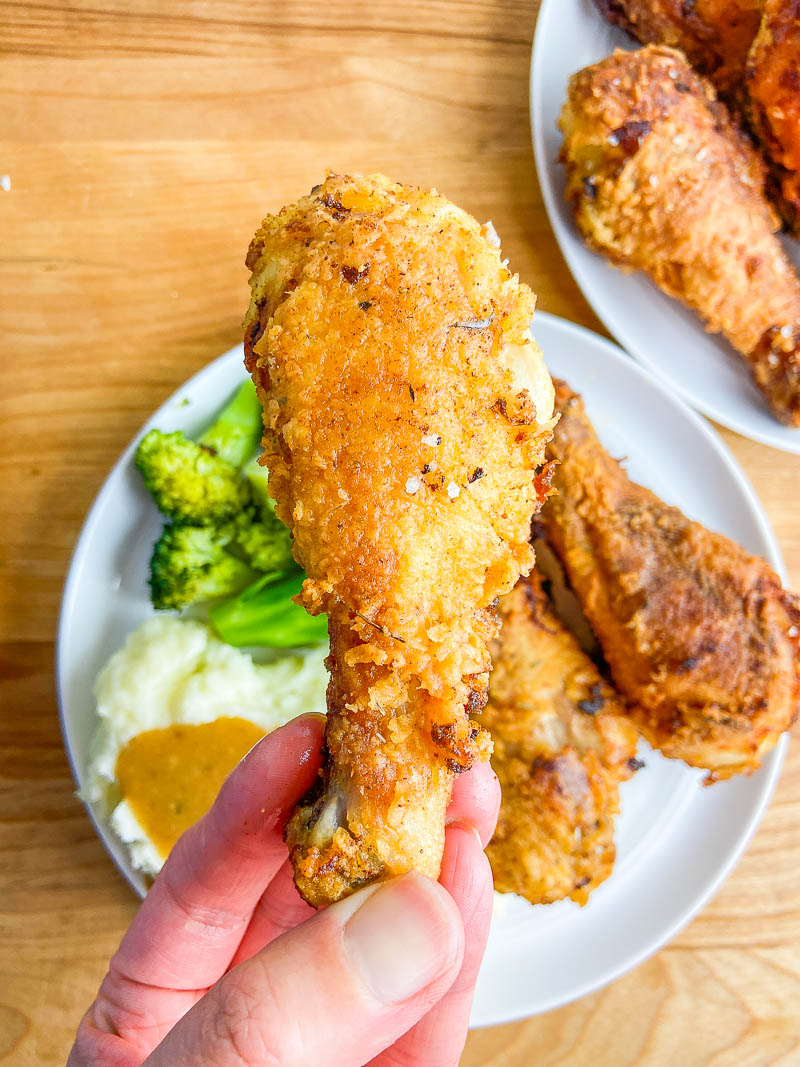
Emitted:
<point x="188" y="482"/>
<point x="264" y="614"/>
<point x="236" y="432"/>
<point x="191" y="563"/>
<point x="265" y="544"/>
<point x="257" y="477"/>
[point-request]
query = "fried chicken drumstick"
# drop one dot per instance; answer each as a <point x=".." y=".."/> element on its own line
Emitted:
<point x="701" y="640"/>
<point x="750" y="49"/>
<point x="406" y="411"/>
<point x="562" y="745"/>
<point x="660" y="180"/>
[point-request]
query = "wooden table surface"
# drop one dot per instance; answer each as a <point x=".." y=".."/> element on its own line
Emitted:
<point x="143" y="149"/>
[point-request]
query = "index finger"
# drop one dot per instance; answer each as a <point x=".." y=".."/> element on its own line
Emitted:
<point x="193" y="918"/>
<point x="476" y="800"/>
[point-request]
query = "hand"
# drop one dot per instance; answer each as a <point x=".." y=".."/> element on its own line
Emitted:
<point x="225" y="964"/>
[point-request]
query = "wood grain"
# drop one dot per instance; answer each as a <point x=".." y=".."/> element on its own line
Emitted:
<point x="144" y="143"/>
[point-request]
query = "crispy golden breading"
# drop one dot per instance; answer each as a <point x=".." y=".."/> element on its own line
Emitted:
<point x="661" y="181"/>
<point x="562" y="745"/>
<point x="701" y="640"/>
<point x="406" y="410"/>
<point x="715" y="34"/>
<point x="773" y="101"/>
<point x="750" y="49"/>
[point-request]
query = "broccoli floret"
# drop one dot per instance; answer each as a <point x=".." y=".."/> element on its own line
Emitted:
<point x="236" y="432"/>
<point x="265" y="543"/>
<point x="264" y="614"/>
<point x="225" y="533"/>
<point x="191" y="563"/>
<point x="188" y="482"/>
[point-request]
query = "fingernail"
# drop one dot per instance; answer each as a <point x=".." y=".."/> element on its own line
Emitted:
<point x="251" y="749"/>
<point x="402" y="937"/>
<point x="468" y="827"/>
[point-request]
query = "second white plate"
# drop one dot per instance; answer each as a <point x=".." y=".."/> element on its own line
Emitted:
<point x="676" y="840"/>
<point x="658" y="331"/>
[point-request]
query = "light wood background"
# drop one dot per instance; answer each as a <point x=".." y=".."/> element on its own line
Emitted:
<point x="144" y="142"/>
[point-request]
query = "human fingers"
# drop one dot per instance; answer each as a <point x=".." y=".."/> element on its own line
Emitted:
<point x="193" y="918"/>
<point x="438" y="1039"/>
<point x="335" y="990"/>
<point x="280" y="908"/>
<point x="476" y="800"/>
<point x="198" y="908"/>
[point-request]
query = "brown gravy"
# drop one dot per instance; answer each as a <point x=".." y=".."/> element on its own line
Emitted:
<point x="170" y="777"/>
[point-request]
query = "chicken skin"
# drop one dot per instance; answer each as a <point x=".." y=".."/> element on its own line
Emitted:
<point x="562" y="745"/>
<point x="750" y="50"/>
<point x="660" y="180"/>
<point x="406" y="412"/>
<point x="773" y="101"/>
<point x="702" y="642"/>
<point x="715" y="35"/>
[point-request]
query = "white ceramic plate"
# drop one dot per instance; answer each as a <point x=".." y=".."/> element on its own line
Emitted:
<point x="658" y="331"/>
<point x="677" y="840"/>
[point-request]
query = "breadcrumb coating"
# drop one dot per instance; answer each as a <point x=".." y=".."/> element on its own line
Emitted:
<point x="562" y="746"/>
<point x="715" y="35"/>
<point x="406" y="411"/>
<point x="702" y="641"/>
<point x="773" y="101"/>
<point x="661" y="180"/>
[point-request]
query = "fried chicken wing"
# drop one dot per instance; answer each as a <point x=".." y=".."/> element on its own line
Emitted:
<point x="660" y="180"/>
<point x="562" y="745"/>
<point x="716" y="35"/>
<point x="406" y="412"/>
<point x="773" y="101"/>
<point x="701" y="640"/>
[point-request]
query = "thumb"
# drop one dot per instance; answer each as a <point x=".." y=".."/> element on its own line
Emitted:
<point x="337" y="990"/>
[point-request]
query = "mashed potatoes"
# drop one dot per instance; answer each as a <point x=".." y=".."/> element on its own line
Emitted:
<point x="175" y="671"/>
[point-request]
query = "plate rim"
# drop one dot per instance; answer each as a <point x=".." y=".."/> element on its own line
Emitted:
<point x="69" y="593"/>
<point x="559" y="227"/>
<point x="569" y="329"/>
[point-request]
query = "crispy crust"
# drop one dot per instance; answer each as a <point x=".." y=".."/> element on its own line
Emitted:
<point x="700" y="637"/>
<point x="562" y="747"/>
<point x="661" y="180"/>
<point x="750" y="49"/>
<point x="715" y="35"/>
<point x="406" y="413"/>
<point x="773" y="98"/>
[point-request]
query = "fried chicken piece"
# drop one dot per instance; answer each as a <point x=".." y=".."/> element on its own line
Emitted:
<point x="716" y="35"/>
<point x="773" y="101"/>
<point x="660" y="180"/>
<point x="562" y="745"/>
<point x="701" y="639"/>
<point x="750" y="49"/>
<point x="407" y="409"/>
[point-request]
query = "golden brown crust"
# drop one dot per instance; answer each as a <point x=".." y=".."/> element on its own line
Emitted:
<point x="406" y="411"/>
<point x="714" y="34"/>
<point x="700" y="637"/>
<point x="773" y="98"/>
<point x="750" y="49"/>
<point x="660" y="180"/>
<point x="562" y="747"/>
